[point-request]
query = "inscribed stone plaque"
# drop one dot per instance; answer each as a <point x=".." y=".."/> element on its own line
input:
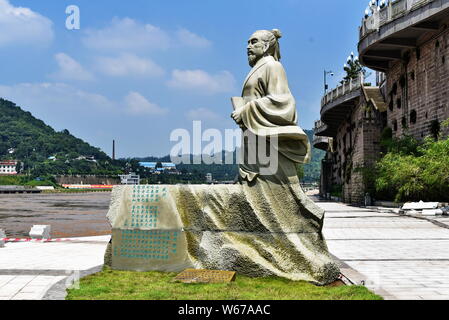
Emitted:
<point x="206" y="276"/>
<point x="149" y="250"/>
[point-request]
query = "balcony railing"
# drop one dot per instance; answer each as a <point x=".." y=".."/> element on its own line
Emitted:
<point x="320" y="140"/>
<point x="342" y="90"/>
<point x="394" y="10"/>
<point x="319" y="126"/>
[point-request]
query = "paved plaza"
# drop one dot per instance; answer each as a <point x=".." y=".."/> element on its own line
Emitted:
<point x="28" y="271"/>
<point x="398" y="257"/>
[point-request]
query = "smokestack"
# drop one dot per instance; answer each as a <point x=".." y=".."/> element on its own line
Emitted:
<point x="113" y="150"/>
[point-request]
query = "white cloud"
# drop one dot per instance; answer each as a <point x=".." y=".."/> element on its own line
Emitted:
<point x="202" y="114"/>
<point x="126" y="34"/>
<point x="191" y="39"/>
<point x="136" y="104"/>
<point x="202" y="82"/>
<point x="70" y="69"/>
<point x="129" y="35"/>
<point x="22" y="26"/>
<point x="50" y="98"/>
<point x="128" y="65"/>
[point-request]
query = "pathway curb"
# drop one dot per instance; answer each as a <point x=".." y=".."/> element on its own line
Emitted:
<point x="58" y="291"/>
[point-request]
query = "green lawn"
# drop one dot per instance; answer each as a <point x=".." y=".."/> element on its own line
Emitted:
<point x="121" y="285"/>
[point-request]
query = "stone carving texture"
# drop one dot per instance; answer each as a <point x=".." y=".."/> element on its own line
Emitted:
<point x="262" y="226"/>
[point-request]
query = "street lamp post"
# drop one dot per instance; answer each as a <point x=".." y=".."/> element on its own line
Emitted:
<point x="326" y="86"/>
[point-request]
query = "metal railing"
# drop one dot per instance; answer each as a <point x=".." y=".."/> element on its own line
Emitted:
<point x="392" y="11"/>
<point x="342" y="90"/>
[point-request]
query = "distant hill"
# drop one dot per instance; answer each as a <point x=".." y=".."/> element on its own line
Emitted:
<point x="28" y="139"/>
<point x="312" y="171"/>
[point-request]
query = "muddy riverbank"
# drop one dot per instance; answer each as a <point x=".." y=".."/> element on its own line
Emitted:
<point x="70" y="215"/>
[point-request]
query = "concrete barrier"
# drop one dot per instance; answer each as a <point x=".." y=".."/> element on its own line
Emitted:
<point x="40" y="232"/>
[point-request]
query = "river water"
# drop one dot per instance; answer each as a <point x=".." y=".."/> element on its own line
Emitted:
<point x="69" y="214"/>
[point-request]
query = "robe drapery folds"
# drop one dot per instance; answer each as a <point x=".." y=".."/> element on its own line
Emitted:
<point x="271" y="110"/>
<point x="262" y="226"/>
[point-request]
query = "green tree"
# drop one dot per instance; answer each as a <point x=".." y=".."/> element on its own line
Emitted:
<point x="353" y="68"/>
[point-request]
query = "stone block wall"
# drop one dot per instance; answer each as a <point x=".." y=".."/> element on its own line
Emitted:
<point x="418" y="88"/>
<point x="357" y="148"/>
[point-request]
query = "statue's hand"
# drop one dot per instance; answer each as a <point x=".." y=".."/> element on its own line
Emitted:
<point x="237" y="115"/>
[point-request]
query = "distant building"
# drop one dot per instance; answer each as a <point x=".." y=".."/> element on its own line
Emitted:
<point x="167" y="167"/>
<point x="130" y="179"/>
<point x="87" y="158"/>
<point x="8" y="167"/>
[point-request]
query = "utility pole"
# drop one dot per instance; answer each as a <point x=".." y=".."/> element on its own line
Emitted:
<point x="113" y="150"/>
<point x="326" y="86"/>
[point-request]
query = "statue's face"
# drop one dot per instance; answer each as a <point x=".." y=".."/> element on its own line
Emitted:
<point x="256" y="48"/>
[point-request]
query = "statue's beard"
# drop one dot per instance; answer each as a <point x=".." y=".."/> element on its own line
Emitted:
<point x="252" y="59"/>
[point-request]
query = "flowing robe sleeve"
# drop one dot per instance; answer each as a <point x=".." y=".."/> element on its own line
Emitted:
<point x="271" y="112"/>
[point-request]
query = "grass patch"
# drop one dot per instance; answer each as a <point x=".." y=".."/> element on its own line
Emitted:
<point x="124" y="285"/>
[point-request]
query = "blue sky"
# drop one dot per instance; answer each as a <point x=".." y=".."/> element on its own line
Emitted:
<point x="137" y="70"/>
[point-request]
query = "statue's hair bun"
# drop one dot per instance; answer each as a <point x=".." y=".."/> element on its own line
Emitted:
<point x="277" y="33"/>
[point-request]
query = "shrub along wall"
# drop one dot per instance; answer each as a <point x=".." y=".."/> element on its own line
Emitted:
<point x="414" y="171"/>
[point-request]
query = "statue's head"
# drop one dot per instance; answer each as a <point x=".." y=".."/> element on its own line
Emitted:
<point x="264" y="43"/>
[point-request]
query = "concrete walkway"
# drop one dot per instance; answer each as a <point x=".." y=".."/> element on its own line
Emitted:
<point x="29" y="270"/>
<point x="398" y="257"/>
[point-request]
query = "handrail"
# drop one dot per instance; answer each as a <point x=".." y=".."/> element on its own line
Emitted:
<point x="394" y="10"/>
<point x="343" y="89"/>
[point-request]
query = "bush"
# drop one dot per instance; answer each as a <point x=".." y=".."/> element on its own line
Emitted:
<point x="414" y="172"/>
<point x="10" y="180"/>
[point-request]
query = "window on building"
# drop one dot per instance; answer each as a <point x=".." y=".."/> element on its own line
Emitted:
<point x="413" y="117"/>
<point x="395" y="125"/>
<point x="403" y="81"/>
<point x="399" y="103"/>
<point x="394" y="90"/>
<point x="418" y="54"/>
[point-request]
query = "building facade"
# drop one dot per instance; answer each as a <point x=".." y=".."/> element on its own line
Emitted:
<point x="349" y="130"/>
<point x="407" y="43"/>
<point x="130" y="179"/>
<point x="8" y="167"/>
<point x="408" y="40"/>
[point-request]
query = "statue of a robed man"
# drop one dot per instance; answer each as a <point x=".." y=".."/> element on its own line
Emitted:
<point x="262" y="226"/>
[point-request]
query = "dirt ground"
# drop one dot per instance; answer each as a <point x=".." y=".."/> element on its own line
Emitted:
<point x="70" y="215"/>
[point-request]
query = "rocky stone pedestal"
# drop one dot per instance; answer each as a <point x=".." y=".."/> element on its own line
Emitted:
<point x="173" y="228"/>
